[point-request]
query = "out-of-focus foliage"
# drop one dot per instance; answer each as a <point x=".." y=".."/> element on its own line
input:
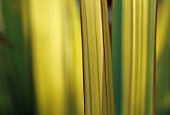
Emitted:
<point x="163" y="58"/>
<point x="16" y="80"/>
<point x="40" y="58"/>
<point x="57" y="58"/>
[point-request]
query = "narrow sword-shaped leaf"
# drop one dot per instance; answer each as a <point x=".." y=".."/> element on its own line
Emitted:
<point x="108" y="92"/>
<point x="92" y="41"/>
<point x="142" y="90"/>
<point x="117" y="53"/>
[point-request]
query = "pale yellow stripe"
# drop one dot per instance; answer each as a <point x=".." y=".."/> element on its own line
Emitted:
<point x="144" y="55"/>
<point x="127" y="54"/>
<point x="132" y="107"/>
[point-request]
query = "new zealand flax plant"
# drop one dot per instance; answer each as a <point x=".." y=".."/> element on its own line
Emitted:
<point x="84" y="57"/>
